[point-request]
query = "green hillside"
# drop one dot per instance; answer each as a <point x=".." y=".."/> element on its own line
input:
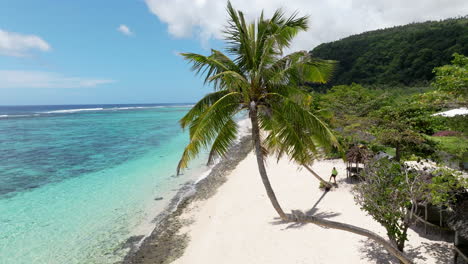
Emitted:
<point x="403" y="55"/>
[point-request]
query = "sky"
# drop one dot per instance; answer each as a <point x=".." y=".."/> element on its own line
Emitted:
<point x="126" y="51"/>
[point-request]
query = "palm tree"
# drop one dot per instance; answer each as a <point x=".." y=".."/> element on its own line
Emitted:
<point x="262" y="82"/>
<point x="266" y="84"/>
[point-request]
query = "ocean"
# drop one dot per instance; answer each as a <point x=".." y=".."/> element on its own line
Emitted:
<point x="77" y="181"/>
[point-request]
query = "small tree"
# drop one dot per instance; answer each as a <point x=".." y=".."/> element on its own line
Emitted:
<point x="445" y="186"/>
<point x="398" y="136"/>
<point x="390" y="194"/>
<point x="453" y="78"/>
<point x="403" y="127"/>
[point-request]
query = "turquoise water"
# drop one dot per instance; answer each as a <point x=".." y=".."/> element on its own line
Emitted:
<point x="75" y="185"/>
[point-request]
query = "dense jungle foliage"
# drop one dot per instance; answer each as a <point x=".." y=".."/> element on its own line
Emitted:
<point x="403" y="55"/>
<point x="401" y="120"/>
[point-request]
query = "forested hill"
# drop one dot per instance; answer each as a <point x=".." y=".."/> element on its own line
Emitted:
<point x="402" y="55"/>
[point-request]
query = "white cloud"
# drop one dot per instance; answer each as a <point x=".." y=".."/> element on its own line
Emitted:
<point x="125" y="30"/>
<point x="329" y="19"/>
<point x="15" y="44"/>
<point x="40" y="79"/>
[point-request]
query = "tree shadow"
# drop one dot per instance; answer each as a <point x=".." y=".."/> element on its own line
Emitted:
<point x="433" y="233"/>
<point x="376" y="253"/>
<point x="311" y="212"/>
<point x="373" y="251"/>
<point x="351" y="180"/>
<point x="442" y="252"/>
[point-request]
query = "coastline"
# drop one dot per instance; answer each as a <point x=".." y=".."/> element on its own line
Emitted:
<point x="227" y="218"/>
<point x="165" y="244"/>
<point x="238" y="224"/>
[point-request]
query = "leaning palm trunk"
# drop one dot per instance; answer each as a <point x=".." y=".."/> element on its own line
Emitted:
<point x="317" y="176"/>
<point x="299" y="217"/>
<point x="260" y="161"/>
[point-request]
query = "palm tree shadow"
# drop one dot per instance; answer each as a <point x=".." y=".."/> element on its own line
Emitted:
<point x="311" y="212"/>
<point x="377" y="254"/>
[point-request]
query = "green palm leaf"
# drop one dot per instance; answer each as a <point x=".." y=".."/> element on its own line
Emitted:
<point x="295" y="131"/>
<point x="223" y="141"/>
<point x="206" y="126"/>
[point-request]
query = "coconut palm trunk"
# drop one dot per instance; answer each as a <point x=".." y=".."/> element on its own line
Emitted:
<point x="317" y="176"/>
<point x="299" y="217"/>
<point x="261" y="162"/>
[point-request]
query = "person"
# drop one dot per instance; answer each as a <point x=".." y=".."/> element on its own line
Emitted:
<point x="333" y="175"/>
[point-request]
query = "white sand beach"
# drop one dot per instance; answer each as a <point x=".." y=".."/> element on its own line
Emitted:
<point x="239" y="225"/>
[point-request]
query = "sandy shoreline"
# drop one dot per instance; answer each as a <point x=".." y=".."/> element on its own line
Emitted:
<point x="165" y="243"/>
<point x="230" y="220"/>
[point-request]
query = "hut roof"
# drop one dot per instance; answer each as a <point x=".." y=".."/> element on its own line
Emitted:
<point x="358" y="153"/>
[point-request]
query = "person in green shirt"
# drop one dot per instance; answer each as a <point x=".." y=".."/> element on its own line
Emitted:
<point x="333" y="175"/>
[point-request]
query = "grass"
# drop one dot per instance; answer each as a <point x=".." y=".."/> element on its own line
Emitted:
<point x="390" y="151"/>
<point x="453" y="145"/>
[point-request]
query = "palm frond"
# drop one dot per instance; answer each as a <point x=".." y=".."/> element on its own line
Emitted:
<point x="223" y="141"/>
<point x="284" y="30"/>
<point x="239" y="39"/>
<point x="318" y="71"/>
<point x="210" y="66"/>
<point x="200" y="107"/>
<point x="295" y="131"/>
<point x="231" y="80"/>
<point x="205" y="127"/>
<point x="298" y="68"/>
<point x="285" y="71"/>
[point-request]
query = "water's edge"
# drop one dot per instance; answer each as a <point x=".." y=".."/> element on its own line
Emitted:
<point x="164" y="244"/>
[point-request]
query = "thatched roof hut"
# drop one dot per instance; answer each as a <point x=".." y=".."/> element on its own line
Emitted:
<point x="358" y="154"/>
<point x="355" y="155"/>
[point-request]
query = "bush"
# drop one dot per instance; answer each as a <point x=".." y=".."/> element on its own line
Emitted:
<point x="387" y="195"/>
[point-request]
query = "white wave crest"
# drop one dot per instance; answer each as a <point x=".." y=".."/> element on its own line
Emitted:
<point x="132" y="108"/>
<point x="72" y="110"/>
<point x="68" y="111"/>
<point x="12" y="116"/>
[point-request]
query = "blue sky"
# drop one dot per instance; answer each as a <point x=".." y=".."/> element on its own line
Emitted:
<point x="71" y="52"/>
<point x="86" y="45"/>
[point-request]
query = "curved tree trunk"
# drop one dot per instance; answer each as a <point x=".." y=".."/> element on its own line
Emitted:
<point x="260" y="162"/>
<point x="317" y="176"/>
<point x="398" y="152"/>
<point x="300" y="217"/>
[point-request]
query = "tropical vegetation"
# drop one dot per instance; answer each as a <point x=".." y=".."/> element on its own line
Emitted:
<point x="392" y="191"/>
<point x="402" y="55"/>
<point x="390" y="195"/>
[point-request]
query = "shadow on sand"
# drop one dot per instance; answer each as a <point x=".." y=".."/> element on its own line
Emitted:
<point x="433" y="233"/>
<point x="311" y="212"/>
<point x="376" y="253"/>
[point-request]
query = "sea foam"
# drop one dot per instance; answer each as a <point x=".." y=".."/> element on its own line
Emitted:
<point x="69" y="111"/>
